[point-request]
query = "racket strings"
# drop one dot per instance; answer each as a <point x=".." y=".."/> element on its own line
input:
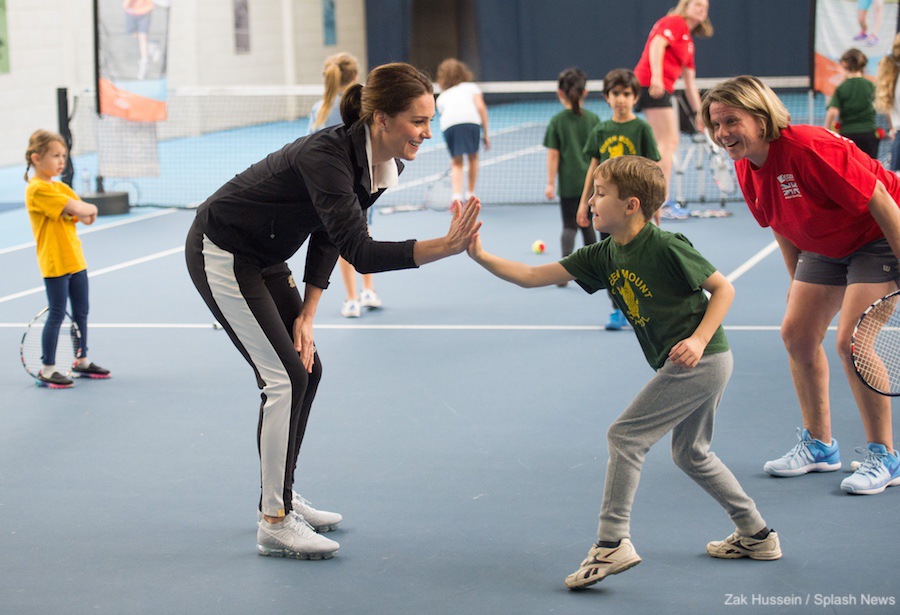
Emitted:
<point x="31" y="349"/>
<point x="876" y="347"/>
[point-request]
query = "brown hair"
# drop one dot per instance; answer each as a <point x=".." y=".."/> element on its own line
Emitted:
<point x="390" y="88"/>
<point x="752" y="95"/>
<point x="452" y="72"/>
<point x="340" y="71"/>
<point x="855" y="60"/>
<point x="704" y="29"/>
<point x="638" y="177"/>
<point x="572" y="83"/>
<point x="38" y="143"/>
<point x="621" y="77"/>
<point x="886" y="78"/>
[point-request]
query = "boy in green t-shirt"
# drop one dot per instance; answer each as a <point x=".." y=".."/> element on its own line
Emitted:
<point x="657" y="278"/>
<point x="624" y="134"/>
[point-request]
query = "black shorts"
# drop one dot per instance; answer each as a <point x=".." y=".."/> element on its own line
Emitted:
<point x="463" y="139"/>
<point x="873" y="263"/>
<point x="645" y="101"/>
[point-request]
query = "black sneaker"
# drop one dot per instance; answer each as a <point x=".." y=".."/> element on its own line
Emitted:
<point x="90" y="371"/>
<point x="54" y="381"/>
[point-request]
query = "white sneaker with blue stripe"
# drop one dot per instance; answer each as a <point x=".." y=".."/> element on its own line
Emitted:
<point x="809" y="455"/>
<point x="878" y="471"/>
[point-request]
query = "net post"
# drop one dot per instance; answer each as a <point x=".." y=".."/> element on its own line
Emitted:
<point x="62" y="118"/>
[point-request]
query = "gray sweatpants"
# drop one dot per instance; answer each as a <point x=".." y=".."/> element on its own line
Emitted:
<point x="681" y="400"/>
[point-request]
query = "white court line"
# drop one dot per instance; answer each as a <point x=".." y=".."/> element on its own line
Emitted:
<point x="94" y="274"/>
<point x="94" y="229"/>
<point x="752" y="261"/>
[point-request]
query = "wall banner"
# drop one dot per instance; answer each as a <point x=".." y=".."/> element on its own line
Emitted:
<point x="132" y="40"/>
<point x="867" y="25"/>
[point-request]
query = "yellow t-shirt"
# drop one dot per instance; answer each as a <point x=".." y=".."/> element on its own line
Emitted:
<point x="58" y="247"/>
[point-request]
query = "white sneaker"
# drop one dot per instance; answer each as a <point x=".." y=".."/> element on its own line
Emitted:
<point x="602" y="562"/>
<point x="350" y="309"/>
<point x="369" y="299"/>
<point x="293" y="537"/>
<point x="737" y="546"/>
<point x="320" y="520"/>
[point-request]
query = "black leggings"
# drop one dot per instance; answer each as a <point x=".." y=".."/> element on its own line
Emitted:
<point x="569" y="209"/>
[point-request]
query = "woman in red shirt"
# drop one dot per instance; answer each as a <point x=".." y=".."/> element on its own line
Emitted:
<point x="834" y="213"/>
<point x="668" y="55"/>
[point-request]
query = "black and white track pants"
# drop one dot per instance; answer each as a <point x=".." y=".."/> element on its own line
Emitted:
<point x="257" y="307"/>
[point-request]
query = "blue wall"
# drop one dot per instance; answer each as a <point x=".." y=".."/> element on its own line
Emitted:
<point x="535" y="39"/>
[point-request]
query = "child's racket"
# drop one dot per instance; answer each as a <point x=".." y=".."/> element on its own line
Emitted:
<point x="875" y="346"/>
<point x="66" y="348"/>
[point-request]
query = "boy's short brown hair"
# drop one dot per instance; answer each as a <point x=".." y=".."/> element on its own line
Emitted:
<point x="621" y="77"/>
<point x="635" y="176"/>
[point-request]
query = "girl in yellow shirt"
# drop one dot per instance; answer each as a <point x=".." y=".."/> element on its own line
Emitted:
<point x="54" y="209"/>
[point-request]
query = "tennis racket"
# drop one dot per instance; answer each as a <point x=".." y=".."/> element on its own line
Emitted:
<point x="439" y="193"/>
<point x="875" y="346"/>
<point x="722" y="169"/>
<point x="30" y="350"/>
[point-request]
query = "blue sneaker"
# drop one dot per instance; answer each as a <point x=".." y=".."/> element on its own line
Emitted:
<point x="617" y="321"/>
<point x="878" y="471"/>
<point x="671" y="210"/>
<point x="810" y="455"/>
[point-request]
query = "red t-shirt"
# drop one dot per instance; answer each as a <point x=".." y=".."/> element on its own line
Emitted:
<point x="678" y="56"/>
<point x="814" y="190"/>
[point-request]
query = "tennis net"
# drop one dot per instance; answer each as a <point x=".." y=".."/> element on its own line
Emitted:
<point x="213" y="133"/>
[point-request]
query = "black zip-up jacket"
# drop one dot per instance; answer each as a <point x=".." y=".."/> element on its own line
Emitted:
<point x="317" y="188"/>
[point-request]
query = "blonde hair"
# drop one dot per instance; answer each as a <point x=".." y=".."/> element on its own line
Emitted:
<point x="340" y="71"/>
<point x="38" y="143"/>
<point x="752" y="95"/>
<point x="886" y="78"/>
<point x="704" y="29"/>
<point x="452" y="72"/>
<point x="638" y="177"/>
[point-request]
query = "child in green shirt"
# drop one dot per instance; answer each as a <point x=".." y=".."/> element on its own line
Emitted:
<point x="658" y="280"/>
<point x="624" y="134"/>
<point x="566" y="135"/>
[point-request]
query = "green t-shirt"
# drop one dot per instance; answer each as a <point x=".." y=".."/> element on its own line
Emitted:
<point x="610" y="139"/>
<point x="567" y="133"/>
<point x="853" y="100"/>
<point x="655" y="280"/>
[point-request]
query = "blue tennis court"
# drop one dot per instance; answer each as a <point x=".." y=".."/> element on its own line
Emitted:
<point x="460" y="430"/>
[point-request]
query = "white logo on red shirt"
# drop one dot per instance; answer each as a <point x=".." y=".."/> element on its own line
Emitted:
<point x="789" y="187"/>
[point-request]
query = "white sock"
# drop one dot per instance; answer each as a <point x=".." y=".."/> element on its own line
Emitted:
<point x="82" y="362"/>
<point x="47" y="370"/>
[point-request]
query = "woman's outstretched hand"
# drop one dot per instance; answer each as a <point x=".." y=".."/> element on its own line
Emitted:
<point x="464" y="225"/>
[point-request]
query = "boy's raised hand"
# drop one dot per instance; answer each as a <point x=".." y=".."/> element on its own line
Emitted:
<point x="474" y="249"/>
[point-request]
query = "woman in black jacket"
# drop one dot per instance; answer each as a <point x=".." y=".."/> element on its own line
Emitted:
<point x="317" y="189"/>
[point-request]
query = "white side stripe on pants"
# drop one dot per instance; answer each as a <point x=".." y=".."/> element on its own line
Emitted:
<point x="219" y="267"/>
